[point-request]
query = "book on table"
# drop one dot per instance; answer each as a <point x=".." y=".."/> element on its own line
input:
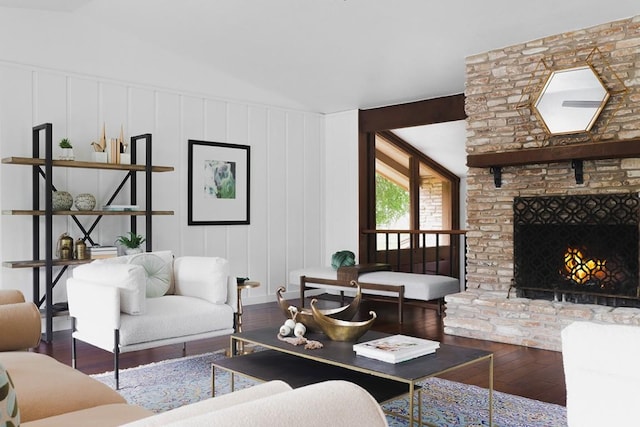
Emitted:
<point x="396" y="348"/>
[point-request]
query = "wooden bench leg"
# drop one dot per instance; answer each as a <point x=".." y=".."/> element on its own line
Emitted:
<point x="302" y="289"/>
<point x="440" y="306"/>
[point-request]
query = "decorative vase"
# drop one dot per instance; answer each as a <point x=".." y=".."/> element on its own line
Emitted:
<point x="99" y="157"/>
<point x="61" y="200"/>
<point x="133" y="251"/>
<point x="85" y="202"/>
<point x="67" y="154"/>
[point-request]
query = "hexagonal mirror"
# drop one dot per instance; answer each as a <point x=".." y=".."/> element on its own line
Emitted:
<point x="571" y="101"/>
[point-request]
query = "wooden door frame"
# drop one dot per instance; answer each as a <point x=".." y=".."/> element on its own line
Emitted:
<point x="430" y="111"/>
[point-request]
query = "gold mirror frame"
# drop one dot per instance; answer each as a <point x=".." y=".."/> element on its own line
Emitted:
<point x="571" y="101"/>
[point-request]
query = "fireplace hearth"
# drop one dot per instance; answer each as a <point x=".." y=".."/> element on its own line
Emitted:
<point x="578" y="248"/>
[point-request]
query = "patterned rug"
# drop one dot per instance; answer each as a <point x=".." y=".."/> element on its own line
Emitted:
<point x="173" y="383"/>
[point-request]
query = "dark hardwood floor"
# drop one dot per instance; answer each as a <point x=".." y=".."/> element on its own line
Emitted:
<point x="533" y="373"/>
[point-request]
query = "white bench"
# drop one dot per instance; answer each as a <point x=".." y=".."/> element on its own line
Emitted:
<point x="410" y="286"/>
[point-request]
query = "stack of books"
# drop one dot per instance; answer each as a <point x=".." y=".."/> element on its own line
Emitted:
<point x="396" y="348"/>
<point x="98" y="252"/>
<point x="121" y="208"/>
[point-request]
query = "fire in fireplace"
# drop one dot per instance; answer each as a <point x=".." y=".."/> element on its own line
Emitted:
<point x="581" y="248"/>
<point x="582" y="270"/>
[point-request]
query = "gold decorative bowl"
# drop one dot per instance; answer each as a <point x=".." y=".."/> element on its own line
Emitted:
<point x="305" y="316"/>
<point x="341" y="330"/>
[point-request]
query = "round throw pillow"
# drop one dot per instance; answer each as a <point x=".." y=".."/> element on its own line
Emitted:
<point x="342" y="259"/>
<point x="158" y="273"/>
<point x="9" y="412"/>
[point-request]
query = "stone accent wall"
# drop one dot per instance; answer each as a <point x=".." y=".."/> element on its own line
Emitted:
<point x="431" y="204"/>
<point x="497" y="121"/>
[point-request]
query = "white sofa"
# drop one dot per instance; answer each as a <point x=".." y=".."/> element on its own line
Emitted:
<point x="49" y="393"/>
<point x="601" y="374"/>
<point x="330" y="403"/>
<point x="150" y="300"/>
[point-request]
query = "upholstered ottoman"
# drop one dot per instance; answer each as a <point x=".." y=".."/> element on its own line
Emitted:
<point x="413" y="286"/>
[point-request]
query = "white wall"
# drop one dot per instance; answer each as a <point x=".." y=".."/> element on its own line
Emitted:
<point x="287" y="164"/>
<point x="73" y="43"/>
<point x="341" y="183"/>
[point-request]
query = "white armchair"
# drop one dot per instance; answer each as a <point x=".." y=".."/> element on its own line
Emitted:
<point x="149" y="300"/>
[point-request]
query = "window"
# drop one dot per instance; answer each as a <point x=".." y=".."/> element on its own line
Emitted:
<point x="433" y="191"/>
<point x="401" y="173"/>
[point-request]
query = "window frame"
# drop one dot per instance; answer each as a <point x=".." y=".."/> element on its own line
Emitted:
<point x="383" y="120"/>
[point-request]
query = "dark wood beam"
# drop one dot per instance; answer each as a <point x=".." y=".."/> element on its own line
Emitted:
<point x="430" y="111"/>
<point x="584" y="151"/>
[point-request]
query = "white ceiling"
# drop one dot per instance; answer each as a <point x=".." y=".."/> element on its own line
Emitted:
<point x="336" y="55"/>
<point x="443" y="142"/>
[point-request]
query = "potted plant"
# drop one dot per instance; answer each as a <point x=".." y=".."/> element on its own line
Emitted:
<point x="131" y="242"/>
<point x="67" y="149"/>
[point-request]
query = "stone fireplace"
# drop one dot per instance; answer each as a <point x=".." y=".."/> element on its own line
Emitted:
<point x="492" y="307"/>
<point x="580" y="248"/>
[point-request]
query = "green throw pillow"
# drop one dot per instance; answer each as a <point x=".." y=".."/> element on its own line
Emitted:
<point x="9" y="412"/>
<point x="158" y="273"/>
<point x="342" y="259"/>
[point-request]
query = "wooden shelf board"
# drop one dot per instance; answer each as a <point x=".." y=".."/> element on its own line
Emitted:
<point x="55" y="313"/>
<point x="84" y="165"/>
<point x="84" y="213"/>
<point x="583" y="151"/>
<point x="37" y="263"/>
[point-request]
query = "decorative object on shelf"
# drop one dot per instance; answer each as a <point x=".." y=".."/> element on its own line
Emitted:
<point x="67" y="149"/>
<point x="99" y="252"/>
<point x="85" y="202"/>
<point x="61" y="200"/>
<point x="121" y="208"/>
<point x="131" y="242"/>
<point x="99" y="154"/>
<point x="111" y="150"/>
<point x="64" y="248"/>
<point x="81" y="250"/>
<point x="124" y="156"/>
<point x="218" y="183"/>
<point x="305" y="316"/>
<point x="341" y="330"/>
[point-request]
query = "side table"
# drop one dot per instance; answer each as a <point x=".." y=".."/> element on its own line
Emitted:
<point x="246" y="284"/>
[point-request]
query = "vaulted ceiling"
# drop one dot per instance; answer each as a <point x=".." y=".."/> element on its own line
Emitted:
<point x="335" y="55"/>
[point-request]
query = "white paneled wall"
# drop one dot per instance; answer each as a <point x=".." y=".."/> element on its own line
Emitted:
<point x="287" y="170"/>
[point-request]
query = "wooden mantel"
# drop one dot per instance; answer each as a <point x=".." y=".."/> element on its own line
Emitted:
<point x="584" y="151"/>
<point x="575" y="153"/>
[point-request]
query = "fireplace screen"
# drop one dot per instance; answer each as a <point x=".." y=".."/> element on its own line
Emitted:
<point x="577" y="248"/>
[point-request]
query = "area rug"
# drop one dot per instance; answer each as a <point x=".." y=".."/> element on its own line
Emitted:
<point x="173" y="383"/>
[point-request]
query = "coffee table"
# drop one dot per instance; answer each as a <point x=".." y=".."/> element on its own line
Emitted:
<point x="337" y="360"/>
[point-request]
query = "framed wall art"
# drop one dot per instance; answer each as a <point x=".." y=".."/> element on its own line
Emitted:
<point x="218" y="181"/>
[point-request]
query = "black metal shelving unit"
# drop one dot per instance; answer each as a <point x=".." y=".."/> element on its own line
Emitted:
<point x="43" y="169"/>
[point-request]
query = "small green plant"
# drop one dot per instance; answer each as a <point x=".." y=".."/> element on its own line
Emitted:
<point x="132" y="240"/>
<point x="65" y="143"/>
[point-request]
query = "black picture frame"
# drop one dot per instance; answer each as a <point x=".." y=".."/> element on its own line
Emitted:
<point x="218" y="183"/>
